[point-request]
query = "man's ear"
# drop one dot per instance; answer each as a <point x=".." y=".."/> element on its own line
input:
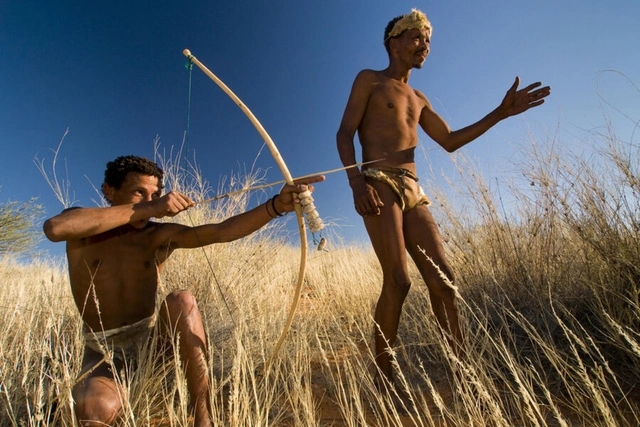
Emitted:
<point x="108" y="190"/>
<point x="393" y="44"/>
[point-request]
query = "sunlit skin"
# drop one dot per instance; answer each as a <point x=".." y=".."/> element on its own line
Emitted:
<point x="386" y="113"/>
<point x="116" y="255"/>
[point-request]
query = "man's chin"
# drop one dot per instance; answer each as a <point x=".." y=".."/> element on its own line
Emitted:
<point x="419" y="63"/>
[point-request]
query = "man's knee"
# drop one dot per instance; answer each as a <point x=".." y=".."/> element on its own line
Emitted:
<point x="398" y="284"/>
<point x="96" y="409"/>
<point x="180" y="304"/>
<point x="444" y="291"/>
<point x="446" y="274"/>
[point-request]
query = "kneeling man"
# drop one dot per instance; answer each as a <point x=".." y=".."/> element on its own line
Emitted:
<point x="115" y="257"/>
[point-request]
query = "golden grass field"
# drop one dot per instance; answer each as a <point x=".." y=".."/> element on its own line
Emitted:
<point x="549" y="296"/>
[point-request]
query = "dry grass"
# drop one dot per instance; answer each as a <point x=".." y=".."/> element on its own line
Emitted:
<point x="550" y="298"/>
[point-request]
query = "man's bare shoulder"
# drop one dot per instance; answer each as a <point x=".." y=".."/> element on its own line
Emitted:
<point x="420" y="95"/>
<point x="366" y="81"/>
<point x="423" y="99"/>
<point x="369" y="76"/>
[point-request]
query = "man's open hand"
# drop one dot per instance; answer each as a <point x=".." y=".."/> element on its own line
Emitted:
<point x="518" y="101"/>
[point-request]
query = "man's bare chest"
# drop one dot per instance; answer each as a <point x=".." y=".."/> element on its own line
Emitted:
<point x="396" y="101"/>
<point x="116" y="251"/>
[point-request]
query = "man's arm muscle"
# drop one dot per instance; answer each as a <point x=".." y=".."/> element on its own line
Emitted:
<point x="236" y="227"/>
<point x="438" y="129"/>
<point x="78" y="223"/>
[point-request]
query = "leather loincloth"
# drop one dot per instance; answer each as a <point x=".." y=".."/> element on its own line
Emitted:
<point x="120" y="343"/>
<point x="404" y="184"/>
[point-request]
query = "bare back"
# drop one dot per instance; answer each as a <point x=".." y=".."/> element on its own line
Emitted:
<point x="388" y="128"/>
<point x="119" y="269"/>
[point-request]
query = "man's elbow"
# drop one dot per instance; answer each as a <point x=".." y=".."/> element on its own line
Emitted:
<point x="450" y="148"/>
<point x="52" y="231"/>
<point x="344" y="138"/>
<point x="449" y="143"/>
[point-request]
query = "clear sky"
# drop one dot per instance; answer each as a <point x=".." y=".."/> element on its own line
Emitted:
<point x="113" y="73"/>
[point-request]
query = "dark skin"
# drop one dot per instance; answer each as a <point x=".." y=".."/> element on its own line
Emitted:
<point x="118" y="253"/>
<point x="386" y="113"/>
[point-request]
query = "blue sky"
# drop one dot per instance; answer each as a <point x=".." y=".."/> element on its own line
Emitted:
<point x="113" y="73"/>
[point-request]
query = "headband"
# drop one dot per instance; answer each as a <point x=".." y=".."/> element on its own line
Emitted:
<point x="415" y="19"/>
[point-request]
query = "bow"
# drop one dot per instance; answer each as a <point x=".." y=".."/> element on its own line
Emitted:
<point x="288" y="178"/>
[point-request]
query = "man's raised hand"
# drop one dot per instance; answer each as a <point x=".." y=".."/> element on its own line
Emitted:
<point x="171" y="204"/>
<point x="518" y="101"/>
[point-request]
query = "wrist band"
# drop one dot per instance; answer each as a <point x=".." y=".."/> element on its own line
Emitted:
<point x="266" y="206"/>
<point x="273" y="206"/>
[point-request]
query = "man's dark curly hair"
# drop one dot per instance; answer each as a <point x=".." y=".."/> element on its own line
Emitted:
<point x="118" y="169"/>
<point x="388" y="30"/>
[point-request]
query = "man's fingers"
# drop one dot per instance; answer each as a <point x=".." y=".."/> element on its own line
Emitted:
<point x="363" y="207"/>
<point x="378" y="201"/>
<point x="531" y="87"/>
<point x="537" y="97"/>
<point x="182" y="203"/>
<point x="372" y="208"/>
<point x="373" y="203"/>
<point x="309" y="180"/>
<point x="542" y="92"/>
<point x="514" y="86"/>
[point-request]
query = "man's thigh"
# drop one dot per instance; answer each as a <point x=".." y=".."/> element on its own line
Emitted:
<point x="386" y="230"/>
<point x="422" y="234"/>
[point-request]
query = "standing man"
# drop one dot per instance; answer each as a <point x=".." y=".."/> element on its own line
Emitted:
<point x="386" y="112"/>
<point x="116" y="255"/>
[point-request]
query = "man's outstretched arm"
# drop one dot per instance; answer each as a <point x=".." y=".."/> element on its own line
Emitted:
<point x="79" y="223"/>
<point x="515" y="102"/>
<point x="236" y="227"/>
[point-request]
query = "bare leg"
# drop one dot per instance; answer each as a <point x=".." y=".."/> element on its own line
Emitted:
<point x="385" y="232"/>
<point x="181" y="315"/>
<point x="98" y="397"/>
<point x="421" y="231"/>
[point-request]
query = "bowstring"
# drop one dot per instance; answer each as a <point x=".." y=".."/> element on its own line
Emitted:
<point x="189" y="66"/>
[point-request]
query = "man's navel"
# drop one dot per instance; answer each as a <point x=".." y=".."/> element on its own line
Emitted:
<point x="390" y="105"/>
